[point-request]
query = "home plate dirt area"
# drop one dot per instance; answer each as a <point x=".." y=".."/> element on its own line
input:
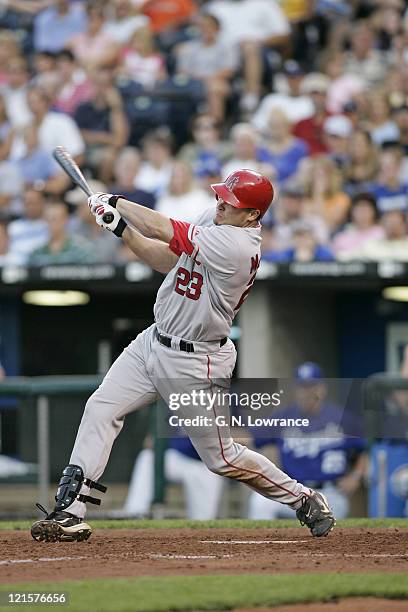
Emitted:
<point x="159" y="552"/>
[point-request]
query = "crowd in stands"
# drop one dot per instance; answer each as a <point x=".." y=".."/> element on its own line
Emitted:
<point x="157" y="99"/>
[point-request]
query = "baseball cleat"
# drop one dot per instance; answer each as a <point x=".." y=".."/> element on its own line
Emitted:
<point x="60" y="527"/>
<point x="316" y="514"/>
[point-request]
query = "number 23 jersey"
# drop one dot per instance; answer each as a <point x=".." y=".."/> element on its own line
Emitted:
<point x="217" y="265"/>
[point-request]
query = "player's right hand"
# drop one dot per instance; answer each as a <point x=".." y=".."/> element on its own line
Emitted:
<point x="109" y="218"/>
<point x="98" y="199"/>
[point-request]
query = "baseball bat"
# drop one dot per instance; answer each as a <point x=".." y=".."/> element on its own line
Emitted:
<point x="71" y="168"/>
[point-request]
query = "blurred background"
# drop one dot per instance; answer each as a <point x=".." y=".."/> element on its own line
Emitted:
<point x="157" y="99"/>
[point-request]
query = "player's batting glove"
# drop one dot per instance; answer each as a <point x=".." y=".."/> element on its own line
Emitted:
<point x="116" y="224"/>
<point x="96" y="200"/>
<point x="102" y="198"/>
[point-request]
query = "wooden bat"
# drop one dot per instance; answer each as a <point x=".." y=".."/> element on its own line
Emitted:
<point x="71" y="168"/>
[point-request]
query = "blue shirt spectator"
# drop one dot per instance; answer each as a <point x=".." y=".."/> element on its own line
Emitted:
<point x="320" y="253"/>
<point x="305" y="246"/>
<point x="286" y="162"/>
<point x="54" y="26"/>
<point x="390" y="198"/>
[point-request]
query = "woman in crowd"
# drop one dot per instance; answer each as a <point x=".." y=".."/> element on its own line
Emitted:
<point x="140" y="61"/>
<point x="363" y="226"/>
<point x="94" y="48"/>
<point x="379" y="121"/>
<point x="322" y="182"/>
<point x="184" y="199"/>
<point x="362" y="165"/>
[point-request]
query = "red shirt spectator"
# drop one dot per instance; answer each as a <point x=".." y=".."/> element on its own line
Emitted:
<point x="311" y="130"/>
<point x="166" y="14"/>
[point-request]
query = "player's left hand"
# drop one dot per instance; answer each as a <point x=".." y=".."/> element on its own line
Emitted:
<point x="117" y="225"/>
<point x="97" y="199"/>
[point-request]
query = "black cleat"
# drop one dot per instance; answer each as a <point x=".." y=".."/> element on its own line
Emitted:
<point x="60" y="527"/>
<point x="315" y="512"/>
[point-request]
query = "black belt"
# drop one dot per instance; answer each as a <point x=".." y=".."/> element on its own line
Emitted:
<point x="187" y="347"/>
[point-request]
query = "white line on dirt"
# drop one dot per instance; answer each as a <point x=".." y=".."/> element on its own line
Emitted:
<point x="42" y="559"/>
<point x="160" y="556"/>
<point x="253" y="541"/>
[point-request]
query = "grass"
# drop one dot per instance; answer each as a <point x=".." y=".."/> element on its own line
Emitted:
<point x="176" y="593"/>
<point x="392" y="523"/>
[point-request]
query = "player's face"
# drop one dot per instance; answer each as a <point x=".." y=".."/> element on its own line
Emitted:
<point x="229" y="215"/>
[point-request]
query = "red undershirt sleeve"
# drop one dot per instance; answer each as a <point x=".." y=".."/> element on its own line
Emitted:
<point x="180" y="243"/>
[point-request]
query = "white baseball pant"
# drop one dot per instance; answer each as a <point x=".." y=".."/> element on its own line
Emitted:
<point x="146" y="370"/>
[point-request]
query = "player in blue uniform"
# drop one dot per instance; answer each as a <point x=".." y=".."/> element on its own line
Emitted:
<point x="325" y="455"/>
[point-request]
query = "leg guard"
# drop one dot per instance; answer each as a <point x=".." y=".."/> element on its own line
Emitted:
<point x="69" y="488"/>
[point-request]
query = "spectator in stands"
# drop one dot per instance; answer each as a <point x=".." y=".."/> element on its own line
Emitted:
<point x="10" y="189"/>
<point x="7" y="258"/>
<point x="322" y="181"/>
<point x="248" y="152"/>
<point x="290" y="209"/>
<point x="75" y="86"/>
<point x="400" y="116"/>
<point x="37" y="166"/>
<point x="124" y="20"/>
<point x="391" y="193"/>
<point x="327" y="455"/>
<point x="363" y="226"/>
<point x="284" y="150"/>
<point x="156" y="167"/>
<point x="364" y="59"/>
<point x="126" y="168"/>
<point x="253" y="26"/>
<point x="54" y="129"/>
<point x="206" y="148"/>
<point x="55" y="25"/>
<point x="169" y="19"/>
<point x="6" y="132"/>
<point x="362" y="165"/>
<point x="9" y="49"/>
<point x="140" y="61"/>
<point x="94" y="48"/>
<point x="61" y="248"/>
<point x="210" y="59"/>
<point x="183" y="200"/>
<point x="31" y="231"/>
<point x="202" y="489"/>
<point x="15" y="92"/>
<point x="397" y="83"/>
<point x="45" y="72"/>
<point x="306" y="246"/>
<point x="337" y="130"/>
<point x="379" y="123"/>
<point x="288" y="98"/>
<point x="344" y="86"/>
<point x="81" y="225"/>
<point x="310" y="129"/>
<point x="103" y="124"/>
<point x="392" y="246"/>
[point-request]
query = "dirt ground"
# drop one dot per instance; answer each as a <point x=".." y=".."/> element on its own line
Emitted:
<point x="151" y="552"/>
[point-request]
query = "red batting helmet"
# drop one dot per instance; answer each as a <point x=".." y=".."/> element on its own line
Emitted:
<point x="246" y="189"/>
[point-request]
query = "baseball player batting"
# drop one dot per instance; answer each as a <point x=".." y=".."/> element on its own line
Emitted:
<point x="210" y="267"/>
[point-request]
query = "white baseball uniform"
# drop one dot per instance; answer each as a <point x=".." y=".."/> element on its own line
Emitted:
<point x="195" y="304"/>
